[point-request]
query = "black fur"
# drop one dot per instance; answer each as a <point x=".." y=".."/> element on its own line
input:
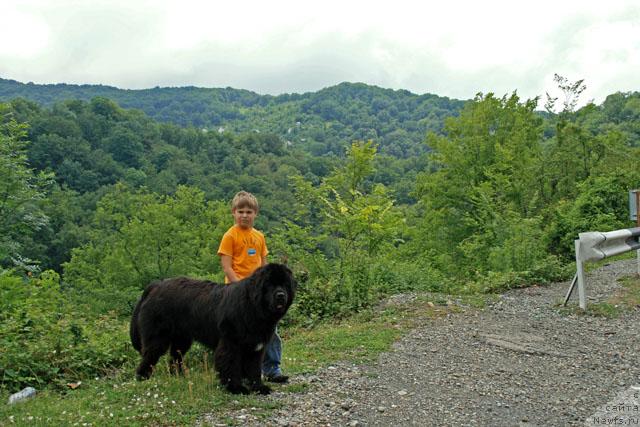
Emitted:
<point x="236" y="320"/>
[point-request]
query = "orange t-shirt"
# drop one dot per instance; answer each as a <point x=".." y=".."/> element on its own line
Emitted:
<point x="246" y="248"/>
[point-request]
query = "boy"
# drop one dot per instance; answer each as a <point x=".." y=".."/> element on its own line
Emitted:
<point x="243" y="249"/>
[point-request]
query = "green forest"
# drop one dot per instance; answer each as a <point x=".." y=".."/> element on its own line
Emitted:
<point x="365" y="192"/>
<point x="319" y="121"/>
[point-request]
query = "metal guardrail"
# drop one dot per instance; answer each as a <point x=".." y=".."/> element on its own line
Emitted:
<point x="594" y="246"/>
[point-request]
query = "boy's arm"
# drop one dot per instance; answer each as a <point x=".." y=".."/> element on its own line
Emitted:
<point x="227" y="267"/>
<point x="264" y="253"/>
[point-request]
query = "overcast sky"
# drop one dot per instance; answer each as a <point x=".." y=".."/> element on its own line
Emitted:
<point x="449" y="48"/>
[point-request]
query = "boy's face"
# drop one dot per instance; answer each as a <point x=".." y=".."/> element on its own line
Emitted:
<point x="244" y="217"/>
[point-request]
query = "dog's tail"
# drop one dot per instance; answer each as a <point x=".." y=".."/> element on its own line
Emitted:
<point x="134" y="331"/>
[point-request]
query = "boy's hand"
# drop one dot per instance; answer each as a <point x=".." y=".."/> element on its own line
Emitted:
<point x="227" y="267"/>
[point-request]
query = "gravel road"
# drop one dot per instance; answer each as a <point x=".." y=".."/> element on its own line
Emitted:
<point x="518" y="361"/>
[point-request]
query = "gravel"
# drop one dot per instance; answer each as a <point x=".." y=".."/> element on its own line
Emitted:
<point x="519" y="361"/>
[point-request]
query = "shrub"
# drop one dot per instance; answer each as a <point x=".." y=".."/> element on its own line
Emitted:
<point x="602" y="205"/>
<point x="47" y="339"/>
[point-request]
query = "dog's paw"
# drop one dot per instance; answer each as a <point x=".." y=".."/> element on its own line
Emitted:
<point x="240" y="389"/>
<point x="143" y="374"/>
<point x="279" y="378"/>
<point x="262" y="389"/>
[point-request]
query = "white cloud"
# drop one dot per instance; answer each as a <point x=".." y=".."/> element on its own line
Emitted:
<point x="23" y="35"/>
<point x="454" y="48"/>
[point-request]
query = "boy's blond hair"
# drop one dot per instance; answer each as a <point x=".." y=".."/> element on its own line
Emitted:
<point x="244" y="199"/>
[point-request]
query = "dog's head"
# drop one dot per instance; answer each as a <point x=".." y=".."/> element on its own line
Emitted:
<point x="278" y="288"/>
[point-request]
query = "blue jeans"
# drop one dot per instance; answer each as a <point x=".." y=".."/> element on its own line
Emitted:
<point x="272" y="356"/>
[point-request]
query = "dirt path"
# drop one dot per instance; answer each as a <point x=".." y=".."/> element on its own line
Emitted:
<point x="519" y="361"/>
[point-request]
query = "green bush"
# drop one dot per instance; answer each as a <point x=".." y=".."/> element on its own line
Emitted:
<point x="339" y="290"/>
<point x="333" y="296"/>
<point x="393" y="276"/>
<point x="140" y="237"/>
<point x="45" y="338"/>
<point x="546" y="271"/>
<point x="602" y="205"/>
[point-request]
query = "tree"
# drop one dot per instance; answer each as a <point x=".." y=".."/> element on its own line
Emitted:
<point x="567" y="157"/>
<point x="22" y="191"/>
<point x="139" y="237"/>
<point x="125" y="146"/>
<point x="359" y="166"/>
<point x="341" y="230"/>
<point x="602" y="205"/>
<point x="584" y="144"/>
<point x="571" y="92"/>
<point x="481" y="201"/>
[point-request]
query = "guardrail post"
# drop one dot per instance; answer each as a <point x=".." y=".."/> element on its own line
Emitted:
<point x="580" y="277"/>
<point x="638" y="225"/>
<point x="595" y="246"/>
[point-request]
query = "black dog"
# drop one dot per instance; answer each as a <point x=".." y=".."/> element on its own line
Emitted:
<point x="237" y="320"/>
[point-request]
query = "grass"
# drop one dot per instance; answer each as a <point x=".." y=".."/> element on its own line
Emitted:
<point x="169" y="400"/>
<point x="163" y="400"/>
<point x="625" y="299"/>
<point x="597" y="264"/>
<point x="359" y="339"/>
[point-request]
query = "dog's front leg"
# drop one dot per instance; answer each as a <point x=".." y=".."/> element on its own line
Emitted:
<point x="229" y="368"/>
<point x="252" y="364"/>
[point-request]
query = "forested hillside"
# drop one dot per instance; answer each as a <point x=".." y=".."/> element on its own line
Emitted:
<point x="96" y="200"/>
<point x="321" y="122"/>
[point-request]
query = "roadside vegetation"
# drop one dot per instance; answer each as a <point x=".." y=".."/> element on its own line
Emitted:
<point x="97" y="201"/>
<point x="114" y="397"/>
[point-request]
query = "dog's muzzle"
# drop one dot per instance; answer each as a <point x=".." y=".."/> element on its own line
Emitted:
<point x="280" y="299"/>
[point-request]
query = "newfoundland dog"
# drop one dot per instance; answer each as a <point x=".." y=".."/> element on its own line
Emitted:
<point x="237" y="320"/>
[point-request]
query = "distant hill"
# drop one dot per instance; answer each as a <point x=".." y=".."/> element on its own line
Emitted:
<point x="322" y="122"/>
